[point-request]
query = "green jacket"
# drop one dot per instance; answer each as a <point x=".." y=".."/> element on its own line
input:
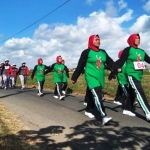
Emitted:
<point x="39" y="70"/>
<point x="94" y="64"/>
<point x="59" y="71"/>
<point x="131" y="55"/>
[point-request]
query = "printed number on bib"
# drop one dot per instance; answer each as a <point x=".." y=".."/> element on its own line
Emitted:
<point x="138" y="65"/>
<point x="6" y="67"/>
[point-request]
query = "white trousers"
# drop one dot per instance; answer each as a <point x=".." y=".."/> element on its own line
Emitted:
<point x="6" y="79"/>
<point x="1" y="81"/>
<point x="23" y="80"/>
<point x="12" y="81"/>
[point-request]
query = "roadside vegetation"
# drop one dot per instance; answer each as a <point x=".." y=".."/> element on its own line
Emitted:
<point x="80" y="87"/>
<point x="10" y="136"/>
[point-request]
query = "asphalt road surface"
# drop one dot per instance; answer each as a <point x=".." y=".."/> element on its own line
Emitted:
<point x="62" y="125"/>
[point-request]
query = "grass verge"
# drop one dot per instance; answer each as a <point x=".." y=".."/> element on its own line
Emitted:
<point x="10" y="132"/>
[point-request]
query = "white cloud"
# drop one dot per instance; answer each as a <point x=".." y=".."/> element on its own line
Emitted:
<point x="122" y="4"/>
<point x="141" y="24"/>
<point x="111" y="10"/>
<point x="51" y="40"/>
<point x="147" y="6"/>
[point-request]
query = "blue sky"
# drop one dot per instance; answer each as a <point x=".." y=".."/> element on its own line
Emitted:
<point x="65" y="32"/>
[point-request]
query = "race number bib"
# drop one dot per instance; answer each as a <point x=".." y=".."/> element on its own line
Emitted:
<point x="6" y="67"/>
<point x="139" y="65"/>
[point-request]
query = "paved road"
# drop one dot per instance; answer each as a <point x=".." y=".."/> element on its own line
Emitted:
<point x="62" y="125"/>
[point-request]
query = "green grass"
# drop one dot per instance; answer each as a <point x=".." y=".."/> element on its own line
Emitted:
<point x="80" y="86"/>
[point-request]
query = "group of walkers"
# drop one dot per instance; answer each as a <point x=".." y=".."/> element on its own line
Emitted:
<point x="60" y="75"/>
<point x="9" y="73"/>
<point x="128" y="70"/>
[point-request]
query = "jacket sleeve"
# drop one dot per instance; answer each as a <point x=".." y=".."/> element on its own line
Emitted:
<point x="147" y="58"/>
<point x="2" y="70"/>
<point x="67" y="71"/>
<point x="123" y="57"/>
<point x="113" y="73"/>
<point x="47" y="67"/>
<point x="27" y="70"/>
<point x="33" y="73"/>
<point x="81" y="65"/>
<point x="50" y="68"/>
<point x="107" y="67"/>
<point x="19" y="70"/>
<point x="10" y="69"/>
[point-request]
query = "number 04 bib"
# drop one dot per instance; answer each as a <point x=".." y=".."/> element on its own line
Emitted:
<point x="139" y="65"/>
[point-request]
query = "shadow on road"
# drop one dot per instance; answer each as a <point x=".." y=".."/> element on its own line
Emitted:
<point x="17" y="92"/>
<point x="90" y="135"/>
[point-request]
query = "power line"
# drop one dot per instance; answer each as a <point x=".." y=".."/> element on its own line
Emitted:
<point x="35" y="21"/>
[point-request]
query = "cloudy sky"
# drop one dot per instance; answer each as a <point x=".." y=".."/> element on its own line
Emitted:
<point x="66" y="30"/>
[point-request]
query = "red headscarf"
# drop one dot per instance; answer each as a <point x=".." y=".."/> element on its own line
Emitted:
<point x="90" y="43"/>
<point x="57" y="59"/>
<point x="38" y="61"/>
<point x="120" y="53"/>
<point x="131" y="40"/>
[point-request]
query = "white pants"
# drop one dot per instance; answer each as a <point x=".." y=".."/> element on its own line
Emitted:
<point x="1" y="81"/>
<point x="13" y="81"/>
<point x="6" y="79"/>
<point x="23" y="80"/>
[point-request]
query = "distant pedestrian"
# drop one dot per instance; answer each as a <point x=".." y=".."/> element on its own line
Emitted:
<point x="13" y="77"/>
<point x="39" y="72"/>
<point x="23" y="73"/>
<point x="65" y="76"/>
<point x="1" y="76"/>
<point x="6" y="72"/>
<point x="58" y="69"/>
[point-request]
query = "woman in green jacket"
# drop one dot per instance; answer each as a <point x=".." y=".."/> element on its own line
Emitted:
<point x="65" y="76"/>
<point x="125" y="89"/>
<point x="134" y="58"/>
<point x="58" y="69"/>
<point x="39" y="70"/>
<point x="93" y="60"/>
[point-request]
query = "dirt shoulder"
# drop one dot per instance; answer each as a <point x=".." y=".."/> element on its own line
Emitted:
<point x="12" y="132"/>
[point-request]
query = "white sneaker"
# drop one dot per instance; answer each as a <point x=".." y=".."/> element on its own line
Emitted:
<point x="64" y="92"/>
<point x="103" y="98"/>
<point x="117" y="102"/>
<point x="39" y="94"/>
<point x="129" y="113"/>
<point x="85" y="103"/>
<point x="55" y="96"/>
<point x="148" y="117"/>
<point x="61" y="97"/>
<point x="90" y="115"/>
<point x="106" y="120"/>
<point x="135" y="103"/>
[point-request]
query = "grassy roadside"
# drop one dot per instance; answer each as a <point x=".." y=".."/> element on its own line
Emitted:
<point x="80" y="86"/>
<point x="10" y="132"/>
